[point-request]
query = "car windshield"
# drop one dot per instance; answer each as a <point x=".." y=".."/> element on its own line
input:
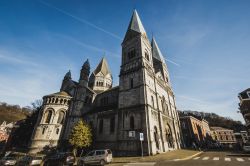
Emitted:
<point x="91" y="153"/>
<point x="100" y="152"/>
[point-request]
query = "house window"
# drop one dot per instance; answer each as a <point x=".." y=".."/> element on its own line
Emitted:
<point x="48" y="116"/>
<point x="132" y="123"/>
<point x="152" y="100"/>
<point x="101" y="126"/>
<point x="61" y="117"/>
<point x="112" y="125"/>
<point x="131" y="82"/>
<point x="131" y="54"/>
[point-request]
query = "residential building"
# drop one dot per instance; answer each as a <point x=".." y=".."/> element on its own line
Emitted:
<point x="195" y="131"/>
<point x="244" y="107"/>
<point x="223" y="136"/>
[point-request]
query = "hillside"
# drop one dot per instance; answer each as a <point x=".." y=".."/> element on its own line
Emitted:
<point x="215" y="120"/>
<point x="12" y="113"/>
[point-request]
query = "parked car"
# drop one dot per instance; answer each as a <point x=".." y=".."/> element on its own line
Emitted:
<point x="100" y="157"/>
<point x="60" y="159"/>
<point x="8" y="161"/>
<point x="246" y="148"/>
<point x="30" y="160"/>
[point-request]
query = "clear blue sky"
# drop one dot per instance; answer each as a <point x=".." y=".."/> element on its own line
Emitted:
<point x="207" y="43"/>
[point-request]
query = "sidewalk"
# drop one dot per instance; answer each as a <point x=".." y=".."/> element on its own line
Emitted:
<point x="173" y="155"/>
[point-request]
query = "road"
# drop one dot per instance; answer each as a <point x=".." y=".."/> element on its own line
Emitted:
<point x="205" y="159"/>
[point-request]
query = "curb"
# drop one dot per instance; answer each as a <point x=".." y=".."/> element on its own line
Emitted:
<point x="189" y="157"/>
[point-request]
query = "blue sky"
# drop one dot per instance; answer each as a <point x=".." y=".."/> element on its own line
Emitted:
<point x="206" y="43"/>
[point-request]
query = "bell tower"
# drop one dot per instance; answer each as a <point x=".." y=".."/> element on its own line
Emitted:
<point x="84" y="76"/>
<point x="137" y="63"/>
<point x="137" y="88"/>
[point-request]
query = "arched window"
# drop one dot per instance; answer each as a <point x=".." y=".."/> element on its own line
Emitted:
<point x="146" y="55"/>
<point x="131" y="83"/>
<point x="43" y="130"/>
<point x="131" y="53"/>
<point x="57" y="131"/>
<point x="48" y="116"/>
<point x="156" y="137"/>
<point x="101" y="126"/>
<point x="61" y="117"/>
<point x="152" y="101"/>
<point x="169" y="137"/>
<point x="112" y="125"/>
<point x="163" y="104"/>
<point x="132" y="122"/>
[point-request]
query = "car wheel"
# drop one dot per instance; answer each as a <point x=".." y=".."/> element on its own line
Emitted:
<point x="102" y="162"/>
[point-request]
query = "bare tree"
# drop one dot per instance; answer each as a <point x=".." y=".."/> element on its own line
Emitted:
<point x="37" y="104"/>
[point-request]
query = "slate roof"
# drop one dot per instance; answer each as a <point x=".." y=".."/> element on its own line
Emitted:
<point x="86" y="64"/>
<point x="136" y="24"/>
<point x="102" y="67"/>
<point x="135" y="27"/>
<point x="62" y="93"/>
<point x="156" y="51"/>
<point x="68" y="75"/>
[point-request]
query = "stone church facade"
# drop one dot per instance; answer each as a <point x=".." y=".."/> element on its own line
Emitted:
<point x="143" y="102"/>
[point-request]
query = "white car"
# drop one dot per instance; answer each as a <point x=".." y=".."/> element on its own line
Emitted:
<point x="100" y="157"/>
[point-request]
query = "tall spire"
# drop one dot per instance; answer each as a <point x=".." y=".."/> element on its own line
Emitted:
<point x="84" y="76"/>
<point x="156" y="52"/>
<point x="135" y="26"/>
<point x="67" y="75"/>
<point x="102" y="67"/>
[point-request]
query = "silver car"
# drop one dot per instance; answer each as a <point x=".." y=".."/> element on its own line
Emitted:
<point x="246" y="148"/>
<point x="8" y="161"/>
<point x="30" y="160"/>
<point x="100" y="157"/>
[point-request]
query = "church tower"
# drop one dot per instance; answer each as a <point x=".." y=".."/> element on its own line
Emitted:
<point x="137" y="90"/>
<point x="101" y="78"/>
<point x="84" y="75"/>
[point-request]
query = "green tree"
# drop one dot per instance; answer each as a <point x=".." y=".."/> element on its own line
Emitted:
<point x="80" y="136"/>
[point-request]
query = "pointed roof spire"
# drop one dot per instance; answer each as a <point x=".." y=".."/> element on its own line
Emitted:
<point x="136" y="24"/>
<point x="68" y="75"/>
<point x="86" y="64"/>
<point x="102" y="67"/>
<point x="156" y="52"/>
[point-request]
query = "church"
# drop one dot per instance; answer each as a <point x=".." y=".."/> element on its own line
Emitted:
<point x="143" y="102"/>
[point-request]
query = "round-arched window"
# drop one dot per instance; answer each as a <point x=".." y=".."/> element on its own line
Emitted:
<point x="61" y="116"/>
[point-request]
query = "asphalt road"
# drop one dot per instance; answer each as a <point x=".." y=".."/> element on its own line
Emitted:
<point x="205" y="159"/>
